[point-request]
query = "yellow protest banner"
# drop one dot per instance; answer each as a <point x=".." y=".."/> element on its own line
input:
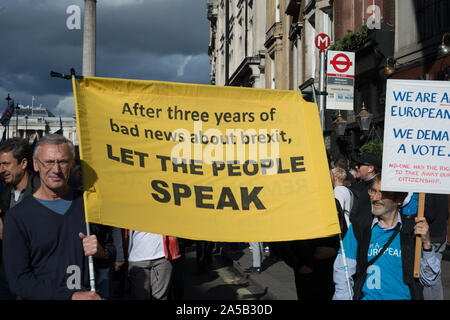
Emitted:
<point x="203" y="162"/>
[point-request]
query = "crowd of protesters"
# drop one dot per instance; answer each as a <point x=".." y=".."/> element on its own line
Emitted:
<point x="47" y="245"/>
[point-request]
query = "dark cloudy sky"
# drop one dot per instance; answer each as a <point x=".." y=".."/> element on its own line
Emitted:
<point x="165" y="40"/>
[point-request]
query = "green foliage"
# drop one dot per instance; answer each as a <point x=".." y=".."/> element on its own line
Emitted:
<point x="373" y="146"/>
<point x="352" y="40"/>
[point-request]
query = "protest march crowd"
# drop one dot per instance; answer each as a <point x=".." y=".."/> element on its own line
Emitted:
<point x="46" y="243"/>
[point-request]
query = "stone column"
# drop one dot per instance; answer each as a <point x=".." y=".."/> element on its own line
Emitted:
<point x="89" y="31"/>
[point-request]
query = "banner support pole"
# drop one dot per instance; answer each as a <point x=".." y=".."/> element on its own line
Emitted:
<point x="344" y="261"/>
<point x="73" y="76"/>
<point x="418" y="250"/>
<point x="314" y="93"/>
<point x="90" y="262"/>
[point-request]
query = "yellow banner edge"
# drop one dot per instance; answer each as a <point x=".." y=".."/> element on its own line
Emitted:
<point x="80" y="139"/>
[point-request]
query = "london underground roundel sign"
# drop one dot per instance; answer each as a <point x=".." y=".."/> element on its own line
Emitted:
<point x="341" y="62"/>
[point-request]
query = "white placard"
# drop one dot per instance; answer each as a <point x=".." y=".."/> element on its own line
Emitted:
<point x="416" y="147"/>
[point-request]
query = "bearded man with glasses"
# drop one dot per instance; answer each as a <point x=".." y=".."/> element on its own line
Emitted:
<point x="380" y="254"/>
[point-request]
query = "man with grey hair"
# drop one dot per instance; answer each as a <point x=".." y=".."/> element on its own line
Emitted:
<point x="45" y="244"/>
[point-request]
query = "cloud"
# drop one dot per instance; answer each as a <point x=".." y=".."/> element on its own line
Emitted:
<point x="136" y="39"/>
<point x="164" y="27"/>
<point x="65" y="106"/>
<point x="123" y="2"/>
<point x="180" y="71"/>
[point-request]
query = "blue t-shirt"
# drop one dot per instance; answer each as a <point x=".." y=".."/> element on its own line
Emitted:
<point x="384" y="279"/>
<point x="60" y="205"/>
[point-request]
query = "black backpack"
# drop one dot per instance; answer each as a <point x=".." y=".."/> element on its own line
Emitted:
<point x="341" y="218"/>
<point x="355" y="193"/>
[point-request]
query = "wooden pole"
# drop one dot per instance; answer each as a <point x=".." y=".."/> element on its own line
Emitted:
<point x="418" y="252"/>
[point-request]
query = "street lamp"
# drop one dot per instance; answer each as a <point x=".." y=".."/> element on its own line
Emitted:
<point x="26" y="128"/>
<point x="8" y="99"/>
<point x="17" y="119"/>
<point x="390" y="66"/>
<point x="444" y="48"/>
<point x="340" y="124"/>
<point x="364" y="118"/>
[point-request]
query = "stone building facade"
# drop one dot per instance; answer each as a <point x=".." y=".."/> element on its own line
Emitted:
<point x="401" y="35"/>
<point x="34" y="122"/>
<point x="236" y="45"/>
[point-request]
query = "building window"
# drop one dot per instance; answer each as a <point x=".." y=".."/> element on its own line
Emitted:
<point x="432" y="17"/>
<point x="272" y="72"/>
<point x="328" y="24"/>
<point x="277" y="11"/>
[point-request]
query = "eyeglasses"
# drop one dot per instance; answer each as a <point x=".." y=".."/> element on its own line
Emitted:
<point x="50" y="163"/>
<point x="384" y="194"/>
<point x="373" y="192"/>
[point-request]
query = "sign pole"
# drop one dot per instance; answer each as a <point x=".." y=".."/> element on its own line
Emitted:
<point x="322" y="42"/>
<point x="322" y="89"/>
<point x="418" y="251"/>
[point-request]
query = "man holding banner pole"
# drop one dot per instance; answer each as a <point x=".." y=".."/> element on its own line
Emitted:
<point x="380" y="254"/>
<point x="44" y="243"/>
<point x="416" y="148"/>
